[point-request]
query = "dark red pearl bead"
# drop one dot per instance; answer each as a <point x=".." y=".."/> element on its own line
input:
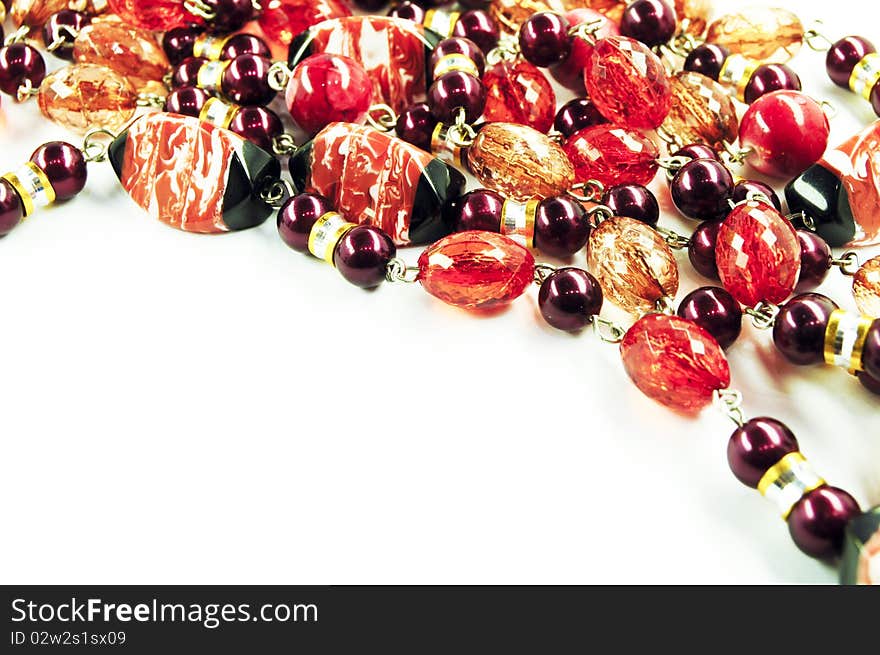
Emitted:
<point x="475" y="4"/>
<point x="416" y="125"/>
<point x="768" y="78"/>
<point x="799" y="331"/>
<point x="745" y="187"/>
<point x="707" y="59"/>
<point x="458" y="45"/>
<point x="716" y="311"/>
<point x="479" y="27"/>
<point x="408" y="11"/>
<point x="297" y="216"/>
<point x="701" y="189"/>
<point x="187" y="100"/>
<point x="816" y="260"/>
<point x="363" y="254"/>
<point x="245" y="44"/>
<point x="61" y="29"/>
<point x="870" y="383"/>
<point x="11" y="210"/>
<point x="246" y="80"/>
<point x="544" y="39"/>
<point x="818" y="521"/>
<point x="258" y="125"/>
<point x="476" y="210"/>
<point x="64" y="165"/>
<point x="875" y="98"/>
<point x="843" y="56"/>
<point x="561" y="226"/>
<point x="576" y="115"/>
<point x="701" y="250"/>
<point x="230" y="15"/>
<point x="187" y="72"/>
<point x="633" y="201"/>
<point x="871" y="351"/>
<point x="569" y="298"/>
<point x="178" y="43"/>
<point x="454" y="91"/>
<point x="653" y="22"/>
<point x="757" y="446"/>
<point x="20" y="63"/>
<point x="370" y="5"/>
<point x="697" y="151"/>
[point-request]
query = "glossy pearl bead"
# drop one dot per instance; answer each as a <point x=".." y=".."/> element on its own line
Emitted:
<point x="576" y="115"/>
<point x="230" y="15"/>
<point x="633" y="201"/>
<point x="479" y="27"/>
<point x="477" y="210"/>
<point x="64" y="165"/>
<point x="544" y="39"/>
<point x="408" y="11"/>
<point x="816" y="260"/>
<point x="246" y="80"/>
<point x="697" y="151"/>
<point x="843" y="56"/>
<point x="416" y="125"/>
<point x="701" y="189"/>
<point x="707" y="59"/>
<point x="461" y="46"/>
<point x="652" y="22"/>
<point x="178" y="43"/>
<point x="561" y="226"/>
<point x="875" y="98"/>
<point x="870" y="383"/>
<point x="871" y="351"/>
<point x="245" y="44"/>
<point x="701" y="250"/>
<point x="297" y="217"/>
<point x="743" y="188"/>
<point x="756" y="446"/>
<point x="714" y="310"/>
<point x="58" y="29"/>
<point x="799" y="331"/>
<point x="771" y="77"/>
<point x="187" y="100"/>
<point x="11" y="210"/>
<point x="363" y="254"/>
<point x="454" y="91"/>
<point x="258" y="125"/>
<point x="818" y="521"/>
<point x="569" y="298"/>
<point x="187" y="72"/>
<point x="20" y="63"/>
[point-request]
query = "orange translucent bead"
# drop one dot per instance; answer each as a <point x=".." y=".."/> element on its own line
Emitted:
<point x="130" y="51"/>
<point x="34" y="13"/>
<point x="767" y="34"/>
<point x="157" y="15"/>
<point x="83" y="97"/>
<point x="692" y="15"/>
<point x="866" y="288"/>
<point x="702" y="112"/>
<point x="510" y="14"/>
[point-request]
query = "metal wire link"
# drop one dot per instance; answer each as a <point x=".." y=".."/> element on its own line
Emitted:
<point x="18" y="35"/>
<point x="150" y="100"/>
<point x="587" y="31"/>
<point x="279" y="75"/>
<point x="673" y="239"/>
<point x="736" y="155"/>
<point x="848" y="263"/>
<point x="276" y="192"/>
<point x="386" y="119"/>
<point x="817" y="41"/>
<point x="398" y="271"/>
<point x="200" y="8"/>
<point x="26" y="91"/>
<point x="608" y="331"/>
<point x="94" y="148"/>
<point x="283" y="145"/>
<point x="593" y="190"/>
<point x="60" y="40"/>
<point x="542" y="272"/>
<point x="598" y="214"/>
<point x="506" y="50"/>
<point x="763" y="315"/>
<point x="729" y="403"/>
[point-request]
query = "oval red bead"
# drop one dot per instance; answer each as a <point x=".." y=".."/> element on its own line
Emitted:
<point x="518" y="92"/>
<point x="154" y="15"/>
<point x="627" y="83"/>
<point x="758" y="254"/>
<point x="787" y="132"/>
<point x="282" y="20"/>
<point x="612" y="155"/>
<point x="570" y="72"/>
<point x="326" y="89"/>
<point x="675" y="362"/>
<point x="476" y="270"/>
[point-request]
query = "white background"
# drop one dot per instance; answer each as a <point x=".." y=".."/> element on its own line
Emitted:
<point x="178" y="408"/>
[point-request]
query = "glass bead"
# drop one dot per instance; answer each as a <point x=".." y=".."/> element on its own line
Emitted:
<point x="282" y="20"/>
<point x="153" y="15"/>
<point x="518" y="92"/>
<point x="326" y="89"/>
<point x="701" y="112"/>
<point x="612" y="155"/>
<point x="83" y="97"/>
<point x="766" y="34"/>
<point x="866" y="288"/>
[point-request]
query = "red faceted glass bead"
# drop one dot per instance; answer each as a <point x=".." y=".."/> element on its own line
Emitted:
<point x="282" y="20"/>
<point x="675" y="362"/>
<point x="476" y="270"/>
<point x="155" y="15"/>
<point x="787" y="132"/>
<point x="627" y="83"/>
<point x="570" y="72"/>
<point x="612" y="155"/>
<point x="758" y="254"/>
<point x="327" y="89"/>
<point x="518" y="92"/>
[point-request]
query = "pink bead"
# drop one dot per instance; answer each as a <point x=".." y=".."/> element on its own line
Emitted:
<point x="612" y="155"/>
<point x="518" y="92"/>
<point x="758" y="254"/>
<point x="326" y="89"/>
<point x="155" y="15"/>
<point x="787" y="131"/>
<point x="570" y="73"/>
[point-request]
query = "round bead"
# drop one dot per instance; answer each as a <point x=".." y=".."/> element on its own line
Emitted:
<point x="714" y="310"/>
<point x="297" y="217"/>
<point x="64" y="165"/>
<point x="633" y="201"/>
<point x="561" y="226"/>
<point x="258" y="125"/>
<point x="799" y="330"/>
<point x="570" y="72"/>
<point x="416" y="125"/>
<point x="875" y="98"/>
<point x="178" y="43"/>
<point x="187" y="72"/>
<point x="363" y="254"/>
<point x="652" y="22"/>
<point x="11" y="209"/>
<point x="246" y="80"/>
<point x="871" y="351"/>
<point x="569" y="298"/>
<point x="701" y="250"/>
<point x="756" y="446"/>
<point x="187" y="100"/>
<point x="154" y="15"/>
<point x="230" y="15"/>
<point x="60" y="27"/>
<point x="20" y="63"/>
<point x="707" y="59"/>
<point x="843" y="56"/>
<point x="701" y="189"/>
<point x="460" y="46"/>
<point x="815" y="260"/>
<point x="408" y="11"/>
<point x="818" y="521"/>
<point x="870" y="383"/>
<point x="745" y="187"/>
<point x="576" y="115"/>
<point x="479" y="27"/>
<point x="544" y="39"/>
<point x="697" y="151"/>
<point x="327" y="88"/>
<point x="245" y="44"/>
<point x="771" y="77"/>
<point x="454" y="91"/>
<point x="476" y="210"/>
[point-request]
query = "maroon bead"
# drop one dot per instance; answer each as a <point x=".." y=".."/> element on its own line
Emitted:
<point x="818" y="521"/>
<point x="544" y="39"/>
<point x="875" y="98"/>
<point x="768" y="78"/>
<point x="633" y="201"/>
<point x="416" y="125"/>
<point x="11" y="210"/>
<point x="843" y="56"/>
<point x="757" y="446"/>
<point x="454" y="91"/>
<point x="871" y="351"/>
<point x="569" y="298"/>
<point x="476" y="210"/>
<point x="258" y="125"/>
<point x="370" y="5"/>
<point x="479" y="27"/>
<point x="576" y="115"/>
<point x="799" y="331"/>
<point x="187" y="72"/>
<point x="716" y="311"/>
<point x="701" y="189"/>
<point x="408" y="11"/>
<point x="61" y="29"/>
<point x="363" y="254"/>
<point x="701" y="250"/>
<point x="815" y="260"/>
<point x="697" y="151"/>
<point x="562" y="226"/>
<point x="187" y="100"/>
<point x="870" y="383"/>
<point x="64" y="165"/>
<point x="707" y="59"/>
<point x="745" y="187"/>
<point x="652" y="22"/>
<point x="20" y="63"/>
<point x="246" y="80"/>
<point x="230" y="15"/>
<point x="475" y="4"/>
<point x="245" y="44"/>
<point x="458" y="45"/>
<point x="297" y="216"/>
<point x="178" y="43"/>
